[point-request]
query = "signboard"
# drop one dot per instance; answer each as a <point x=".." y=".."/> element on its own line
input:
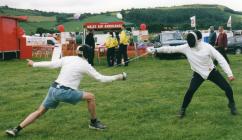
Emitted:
<point x="103" y="25"/>
<point x="145" y="32"/>
<point x="139" y="35"/>
<point x="135" y="32"/>
<point x="35" y="41"/>
<point x="100" y="38"/>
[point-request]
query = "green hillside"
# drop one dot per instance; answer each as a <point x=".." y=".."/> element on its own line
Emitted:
<point x="31" y="27"/>
<point x="72" y="25"/>
<point x="157" y="19"/>
<point x="41" y="18"/>
<point x="179" y="17"/>
<point x="5" y="10"/>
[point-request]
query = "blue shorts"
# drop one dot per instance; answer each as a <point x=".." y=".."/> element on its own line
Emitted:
<point x="57" y="95"/>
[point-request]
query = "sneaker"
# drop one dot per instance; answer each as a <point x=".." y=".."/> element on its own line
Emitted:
<point x="12" y="132"/>
<point x="97" y="125"/>
<point x="182" y="113"/>
<point x="233" y="109"/>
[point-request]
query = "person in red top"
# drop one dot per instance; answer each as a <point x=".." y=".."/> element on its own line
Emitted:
<point x="221" y="43"/>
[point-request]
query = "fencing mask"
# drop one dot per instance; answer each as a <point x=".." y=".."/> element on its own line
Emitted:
<point x="193" y="37"/>
<point x="83" y="51"/>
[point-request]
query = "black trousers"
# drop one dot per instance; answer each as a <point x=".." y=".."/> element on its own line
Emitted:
<point x="222" y="51"/>
<point x="123" y="54"/>
<point x="91" y="56"/>
<point x="216" y="78"/>
<point x="110" y="56"/>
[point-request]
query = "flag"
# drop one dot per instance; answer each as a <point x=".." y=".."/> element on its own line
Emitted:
<point x="193" y="21"/>
<point x="229" y="23"/>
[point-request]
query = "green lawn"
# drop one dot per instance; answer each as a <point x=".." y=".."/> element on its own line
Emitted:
<point x="144" y="107"/>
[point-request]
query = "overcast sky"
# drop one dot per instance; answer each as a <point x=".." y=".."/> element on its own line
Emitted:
<point x="96" y="6"/>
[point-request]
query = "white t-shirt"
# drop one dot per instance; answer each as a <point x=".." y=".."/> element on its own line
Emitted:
<point x="200" y="58"/>
<point x="72" y="70"/>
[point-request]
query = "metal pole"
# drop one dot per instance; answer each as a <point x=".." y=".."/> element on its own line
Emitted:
<point x="84" y="35"/>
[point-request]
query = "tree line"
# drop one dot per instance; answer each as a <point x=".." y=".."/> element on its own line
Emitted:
<point x="159" y="19"/>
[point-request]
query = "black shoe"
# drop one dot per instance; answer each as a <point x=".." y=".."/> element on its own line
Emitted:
<point x="182" y="113"/>
<point x="97" y="125"/>
<point x="12" y="132"/>
<point x="233" y="109"/>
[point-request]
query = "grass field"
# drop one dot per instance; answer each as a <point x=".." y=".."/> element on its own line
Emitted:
<point x="142" y="108"/>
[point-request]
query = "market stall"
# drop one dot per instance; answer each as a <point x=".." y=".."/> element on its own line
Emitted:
<point x="100" y="34"/>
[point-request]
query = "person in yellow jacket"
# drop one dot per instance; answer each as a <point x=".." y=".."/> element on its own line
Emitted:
<point x="111" y="43"/>
<point x="124" y="42"/>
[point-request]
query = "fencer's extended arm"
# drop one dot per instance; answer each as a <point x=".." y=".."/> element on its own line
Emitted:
<point x="102" y="78"/>
<point x="172" y="49"/>
<point x="221" y="60"/>
<point x="48" y="64"/>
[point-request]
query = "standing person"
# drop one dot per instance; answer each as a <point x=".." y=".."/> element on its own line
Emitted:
<point x="221" y="43"/>
<point x="200" y="55"/>
<point x="91" y="42"/>
<point x="117" y="36"/>
<point x="65" y="88"/>
<point x="124" y="41"/>
<point x="212" y="36"/>
<point x="110" y="44"/>
<point x="117" y="47"/>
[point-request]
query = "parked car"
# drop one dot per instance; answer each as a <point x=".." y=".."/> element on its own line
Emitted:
<point x="169" y="38"/>
<point x="144" y="45"/>
<point x="141" y="47"/>
<point x="235" y="45"/>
